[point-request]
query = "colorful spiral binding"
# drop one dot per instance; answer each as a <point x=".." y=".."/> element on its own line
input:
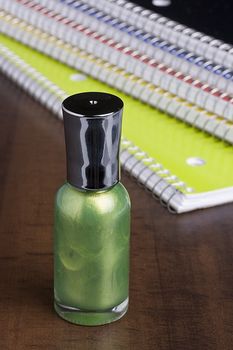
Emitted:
<point x="160" y="49"/>
<point x="115" y="77"/>
<point x="166" y="29"/>
<point x="133" y="62"/>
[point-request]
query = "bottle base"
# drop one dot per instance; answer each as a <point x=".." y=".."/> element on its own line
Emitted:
<point x="91" y="318"/>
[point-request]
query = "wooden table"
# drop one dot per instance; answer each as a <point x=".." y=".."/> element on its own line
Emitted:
<point x="181" y="282"/>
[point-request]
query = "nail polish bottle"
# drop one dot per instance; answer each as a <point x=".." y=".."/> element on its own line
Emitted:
<point x="92" y="215"/>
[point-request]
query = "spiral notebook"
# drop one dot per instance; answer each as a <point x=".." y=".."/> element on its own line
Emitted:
<point x="142" y="66"/>
<point x="169" y="29"/>
<point x="115" y="77"/>
<point x="183" y="167"/>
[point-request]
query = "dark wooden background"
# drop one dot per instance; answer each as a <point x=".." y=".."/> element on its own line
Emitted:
<point x="181" y="282"/>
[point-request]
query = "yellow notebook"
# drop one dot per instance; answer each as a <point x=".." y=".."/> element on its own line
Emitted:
<point x="184" y="167"/>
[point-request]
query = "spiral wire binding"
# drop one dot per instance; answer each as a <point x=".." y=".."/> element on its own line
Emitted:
<point x="27" y="77"/>
<point x="106" y="71"/>
<point x="117" y="51"/>
<point x="140" y="184"/>
<point x="167" y="29"/>
<point x="164" y="204"/>
<point x="169" y="181"/>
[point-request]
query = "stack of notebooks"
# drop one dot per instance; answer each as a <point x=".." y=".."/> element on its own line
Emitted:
<point x="176" y="85"/>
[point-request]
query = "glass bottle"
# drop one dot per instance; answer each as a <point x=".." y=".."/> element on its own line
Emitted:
<point x="92" y="215"/>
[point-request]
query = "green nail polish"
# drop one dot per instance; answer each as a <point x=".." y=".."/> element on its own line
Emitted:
<point x="92" y="215"/>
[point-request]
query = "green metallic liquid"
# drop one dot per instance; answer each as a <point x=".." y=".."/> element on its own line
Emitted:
<point x="91" y="252"/>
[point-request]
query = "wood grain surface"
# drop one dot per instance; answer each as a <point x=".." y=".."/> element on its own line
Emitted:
<point x="181" y="281"/>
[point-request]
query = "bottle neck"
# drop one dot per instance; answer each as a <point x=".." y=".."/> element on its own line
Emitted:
<point x="89" y="191"/>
